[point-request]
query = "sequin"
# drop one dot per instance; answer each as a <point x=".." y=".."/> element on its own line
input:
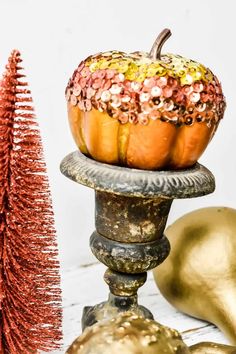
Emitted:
<point x="167" y="91"/>
<point x="136" y="86"/>
<point x="144" y="60"/>
<point x="123" y="118"/>
<point x="94" y="75"/>
<point x="198" y="87"/>
<point x="186" y="79"/>
<point x="146" y="107"/>
<point x="102" y="106"/>
<point x="150" y="82"/>
<point x="196" y="75"/>
<point x="101" y="74"/>
<point x="209" y="123"/>
<point x="161" y="81"/>
<point x="130" y="75"/>
<point x="189" y="120"/>
<point x="106" y="84"/>
<point x="110" y="73"/>
<point x="82" y="82"/>
<point x="151" y="72"/>
<point x="180" y="72"/>
<point x="98" y="94"/>
<point x="68" y="94"/>
<point x="209" y="75"/>
<point x="172" y="82"/>
<point x="103" y="65"/>
<point x="194" y="97"/>
<point x="133" y="118"/>
<point x="117" y="55"/>
<point x="120" y="77"/>
<point x="160" y="104"/>
<point x="140" y="77"/>
<point x="199" y="118"/>
<point x="115" y="89"/>
<point x="106" y="95"/>
<point x="107" y="54"/>
<point x="144" y="97"/>
<point x="178" y="96"/>
<point x="80" y="67"/>
<point x="168" y="105"/>
<point x="85" y="71"/>
<point x="154" y="115"/>
<point x="123" y="67"/>
<point x="160" y="71"/>
<point x="97" y="84"/>
<point x="93" y="67"/>
<point x="173" y="118"/>
<point x="114" y="65"/>
<point x="187" y="90"/>
<point x="77" y="90"/>
<point x="201" y="107"/>
<point x="81" y="105"/>
<point x="156" y="91"/>
<point x="142" y="68"/>
<point x="125" y="99"/>
<point x="88" y="105"/>
<point x="143" y="119"/>
<point x="116" y="101"/>
<point x="204" y="97"/>
<point x="90" y="92"/>
<point x="73" y="100"/>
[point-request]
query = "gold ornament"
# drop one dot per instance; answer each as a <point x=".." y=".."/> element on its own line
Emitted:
<point x="199" y="276"/>
<point x="128" y="334"/>
<point x="212" y="348"/>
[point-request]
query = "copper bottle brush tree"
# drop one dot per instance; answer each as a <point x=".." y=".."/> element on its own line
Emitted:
<point x="30" y="295"/>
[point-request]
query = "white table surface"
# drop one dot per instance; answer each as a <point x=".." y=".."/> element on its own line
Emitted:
<point x="84" y="285"/>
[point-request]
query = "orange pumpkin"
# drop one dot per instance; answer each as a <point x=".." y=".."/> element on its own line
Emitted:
<point x="144" y="110"/>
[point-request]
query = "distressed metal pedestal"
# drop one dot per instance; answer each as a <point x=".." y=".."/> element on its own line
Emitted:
<point x="132" y="207"/>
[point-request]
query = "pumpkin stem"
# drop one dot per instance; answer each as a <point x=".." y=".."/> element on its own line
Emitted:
<point x="155" y="52"/>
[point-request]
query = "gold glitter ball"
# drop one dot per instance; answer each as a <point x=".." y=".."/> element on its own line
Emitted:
<point x="129" y="334"/>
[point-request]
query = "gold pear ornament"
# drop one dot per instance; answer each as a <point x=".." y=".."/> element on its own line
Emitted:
<point x="128" y="334"/>
<point x="199" y="276"/>
<point x="212" y="348"/>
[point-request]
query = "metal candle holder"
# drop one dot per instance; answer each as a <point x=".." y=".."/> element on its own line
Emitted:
<point x="131" y="210"/>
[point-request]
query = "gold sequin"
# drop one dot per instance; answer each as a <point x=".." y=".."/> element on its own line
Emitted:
<point x="187" y="79"/>
<point x="173" y="89"/>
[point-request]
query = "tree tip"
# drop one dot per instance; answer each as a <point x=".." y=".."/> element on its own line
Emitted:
<point x="15" y="56"/>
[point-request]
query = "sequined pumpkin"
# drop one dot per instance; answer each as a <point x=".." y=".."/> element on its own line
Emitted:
<point x="131" y="110"/>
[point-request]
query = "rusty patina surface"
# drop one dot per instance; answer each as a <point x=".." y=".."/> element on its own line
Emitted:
<point x="175" y="184"/>
<point x="131" y="219"/>
<point x="131" y="258"/>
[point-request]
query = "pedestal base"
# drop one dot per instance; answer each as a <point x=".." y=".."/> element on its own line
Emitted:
<point x="128" y="263"/>
<point x="111" y="308"/>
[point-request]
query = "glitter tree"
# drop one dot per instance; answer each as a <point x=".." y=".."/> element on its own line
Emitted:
<point x="30" y="296"/>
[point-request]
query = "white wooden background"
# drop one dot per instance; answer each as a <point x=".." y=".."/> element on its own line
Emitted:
<point x="84" y="285"/>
